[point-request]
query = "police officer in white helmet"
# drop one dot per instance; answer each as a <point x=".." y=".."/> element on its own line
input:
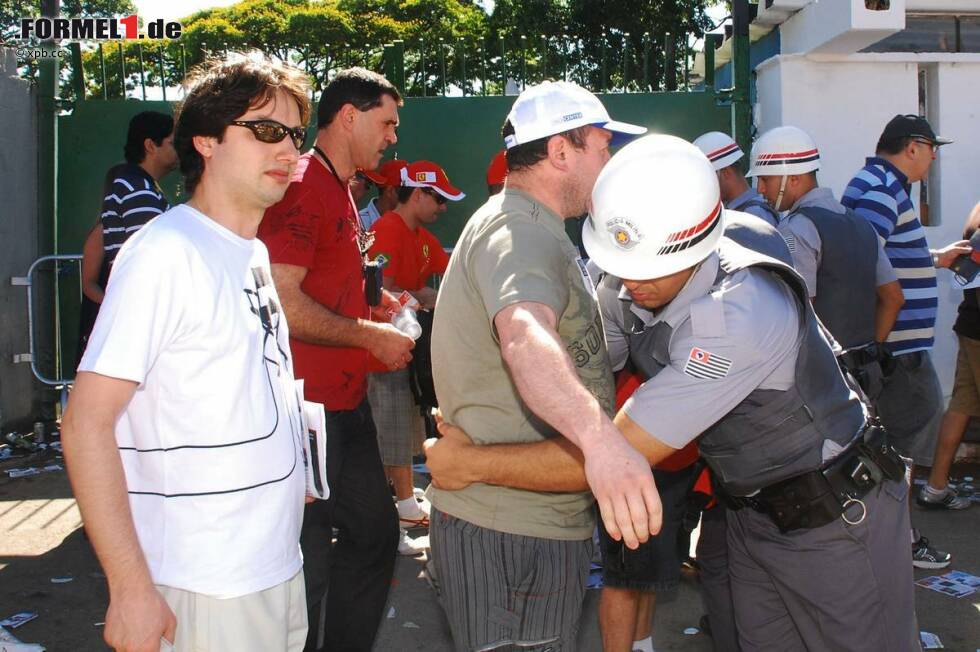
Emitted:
<point x="737" y="358"/>
<point x="849" y="278"/>
<point x="736" y="193"/>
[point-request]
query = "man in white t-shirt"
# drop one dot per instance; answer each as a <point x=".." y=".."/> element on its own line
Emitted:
<point x="183" y="435"/>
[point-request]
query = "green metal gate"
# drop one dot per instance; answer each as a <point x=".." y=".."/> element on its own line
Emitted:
<point x="460" y="133"/>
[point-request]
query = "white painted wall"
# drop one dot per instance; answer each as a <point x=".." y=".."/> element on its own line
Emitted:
<point x="844" y="103"/>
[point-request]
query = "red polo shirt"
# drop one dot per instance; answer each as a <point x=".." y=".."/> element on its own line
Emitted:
<point x="313" y="226"/>
<point x="410" y="257"/>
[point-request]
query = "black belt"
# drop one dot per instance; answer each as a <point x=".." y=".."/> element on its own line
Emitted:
<point x="818" y="497"/>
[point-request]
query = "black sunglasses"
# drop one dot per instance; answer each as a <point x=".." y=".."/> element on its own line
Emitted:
<point x="271" y="131"/>
<point x="432" y="193"/>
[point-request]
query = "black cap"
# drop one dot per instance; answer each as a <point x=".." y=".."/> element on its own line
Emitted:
<point x="910" y="126"/>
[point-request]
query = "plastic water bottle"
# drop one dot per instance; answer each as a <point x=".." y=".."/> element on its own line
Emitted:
<point x="405" y="321"/>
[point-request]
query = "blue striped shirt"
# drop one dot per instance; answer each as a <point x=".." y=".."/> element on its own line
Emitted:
<point x="132" y="199"/>
<point x="879" y="192"/>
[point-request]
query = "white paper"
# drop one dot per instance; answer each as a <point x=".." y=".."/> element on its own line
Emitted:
<point x="10" y="643"/>
<point x="315" y="447"/>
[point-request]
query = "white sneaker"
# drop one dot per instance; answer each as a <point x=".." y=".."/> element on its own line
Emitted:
<point x="411" y="547"/>
<point x="411" y="514"/>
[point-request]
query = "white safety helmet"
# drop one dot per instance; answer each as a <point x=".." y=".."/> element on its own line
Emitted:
<point x="656" y="210"/>
<point x="720" y="149"/>
<point x="784" y="151"/>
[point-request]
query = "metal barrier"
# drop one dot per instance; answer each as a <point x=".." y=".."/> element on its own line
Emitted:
<point x="28" y="282"/>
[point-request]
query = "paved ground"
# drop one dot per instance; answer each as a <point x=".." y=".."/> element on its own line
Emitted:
<point x="41" y="539"/>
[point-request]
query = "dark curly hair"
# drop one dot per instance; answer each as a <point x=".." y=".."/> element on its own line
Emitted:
<point x="222" y="90"/>
<point x="358" y="86"/>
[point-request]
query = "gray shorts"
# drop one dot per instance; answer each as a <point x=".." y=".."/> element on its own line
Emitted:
<point x="911" y="406"/>
<point x="500" y="590"/>
<point x="401" y="429"/>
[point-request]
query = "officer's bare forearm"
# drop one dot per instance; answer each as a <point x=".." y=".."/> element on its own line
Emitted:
<point x="545" y="376"/>
<point x="97" y="479"/>
<point x="310" y="321"/>
<point x="889" y="303"/>
<point x="551" y="465"/>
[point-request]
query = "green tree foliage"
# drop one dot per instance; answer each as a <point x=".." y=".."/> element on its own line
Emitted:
<point x="450" y="45"/>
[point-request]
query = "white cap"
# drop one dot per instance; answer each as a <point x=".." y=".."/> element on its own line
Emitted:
<point x="720" y="148"/>
<point x="551" y="108"/>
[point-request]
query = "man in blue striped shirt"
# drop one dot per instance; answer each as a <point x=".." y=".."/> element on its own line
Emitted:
<point x="133" y="196"/>
<point x="910" y="405"/>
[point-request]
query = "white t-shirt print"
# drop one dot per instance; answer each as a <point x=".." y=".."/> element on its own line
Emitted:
<point x="210" y="441"/>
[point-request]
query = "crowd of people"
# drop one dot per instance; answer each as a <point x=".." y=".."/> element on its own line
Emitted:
<point x="757" y="354"/>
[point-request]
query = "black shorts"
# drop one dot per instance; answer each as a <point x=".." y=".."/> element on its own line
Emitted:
<point x="656" y="564"/>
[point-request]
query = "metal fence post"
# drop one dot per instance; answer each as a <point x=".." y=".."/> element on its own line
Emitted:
<point x="163" y="75"/>
<point x="711" y="43"/>
<point x="122" y="70"/>
<point x="741" y="69"/>
<point x="139" y="51"/>
<point x="105" y="79"/>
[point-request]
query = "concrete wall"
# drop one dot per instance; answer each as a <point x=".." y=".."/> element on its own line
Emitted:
<point x="18" y="237"/>
<point x="844" y="102"/>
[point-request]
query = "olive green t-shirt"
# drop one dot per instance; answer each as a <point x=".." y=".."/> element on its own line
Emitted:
<point x="513" y="250"/>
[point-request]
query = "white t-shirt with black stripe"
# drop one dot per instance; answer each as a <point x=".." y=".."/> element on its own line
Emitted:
<point x="210" y="442"/>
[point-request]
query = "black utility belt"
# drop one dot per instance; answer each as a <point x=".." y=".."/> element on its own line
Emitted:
<point x="816" y="498"/>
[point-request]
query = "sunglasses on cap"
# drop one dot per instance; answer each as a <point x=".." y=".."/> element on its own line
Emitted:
<point x="272" y="131"/>
<point x="432" y="193"/>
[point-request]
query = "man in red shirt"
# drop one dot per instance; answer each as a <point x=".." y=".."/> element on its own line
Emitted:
<point x="387" y="178"/>
<point x="410" y="255"/>
<point x="318" y="253"/>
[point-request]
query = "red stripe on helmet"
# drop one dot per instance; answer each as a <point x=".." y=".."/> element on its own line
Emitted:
<point x="694" y="230"/>
<point x="780" y="155"/>
<point x="718" y="153"/>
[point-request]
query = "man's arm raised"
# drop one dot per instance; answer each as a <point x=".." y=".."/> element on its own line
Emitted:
<point x="546" y="379"/>
<point x="137" y="616"/>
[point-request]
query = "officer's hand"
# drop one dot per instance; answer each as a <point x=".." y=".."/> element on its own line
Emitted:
<point x="390" y="346"/>
<point x="951" y="252"/>
<point x="137" y="619"/>
<point x="446" y="458"/>
<point x="623" y="486"/>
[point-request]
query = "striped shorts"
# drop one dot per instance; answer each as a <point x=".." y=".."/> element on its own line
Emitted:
<point x="500" y="590"/>
<point x="401" y="429"/>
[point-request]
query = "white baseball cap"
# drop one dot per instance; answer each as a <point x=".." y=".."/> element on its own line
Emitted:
<point x="551" y="108"/>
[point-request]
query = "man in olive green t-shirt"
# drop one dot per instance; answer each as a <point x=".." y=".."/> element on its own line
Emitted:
<point x="519" y="356"/>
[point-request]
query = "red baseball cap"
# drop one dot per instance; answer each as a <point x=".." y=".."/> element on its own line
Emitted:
<point x="426" y="174"/>
<point x="497" y="172"/>
<point x="388" y="173"/>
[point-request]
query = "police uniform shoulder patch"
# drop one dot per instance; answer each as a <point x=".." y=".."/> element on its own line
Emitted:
<point x="706" y="365"/>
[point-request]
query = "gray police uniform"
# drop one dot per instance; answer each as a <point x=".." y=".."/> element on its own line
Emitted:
<point x="843" y="263"/>
<point x="754" y="203"/>
<point x="739" y="358"/>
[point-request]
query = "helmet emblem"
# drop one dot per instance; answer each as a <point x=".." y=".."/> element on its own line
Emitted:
<point x="624" y="233"/>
